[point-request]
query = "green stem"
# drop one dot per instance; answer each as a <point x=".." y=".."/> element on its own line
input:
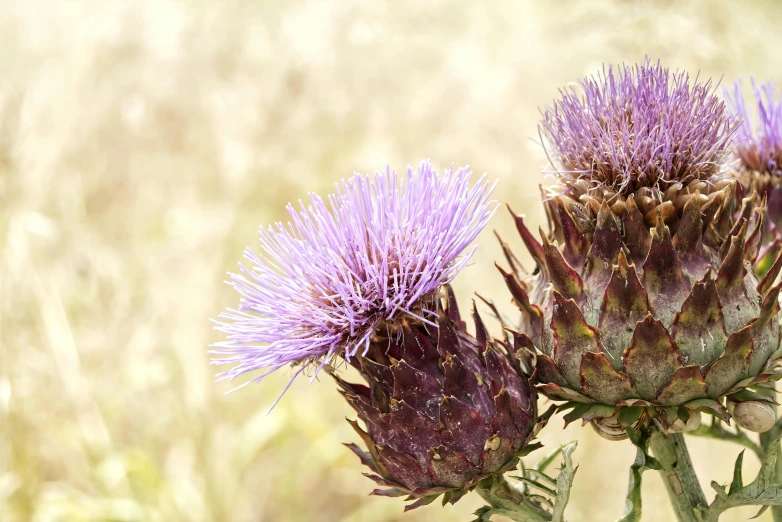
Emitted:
<point x="683" y="487"/>
<point x="507" y="501"/>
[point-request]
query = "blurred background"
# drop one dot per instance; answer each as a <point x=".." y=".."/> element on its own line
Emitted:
<point x="143" y="143"/>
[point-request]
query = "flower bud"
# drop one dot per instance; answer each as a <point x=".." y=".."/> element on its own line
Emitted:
<point x="442" y="409"/>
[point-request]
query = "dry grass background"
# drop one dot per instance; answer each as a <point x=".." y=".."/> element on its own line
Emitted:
<point x="141" y="145"/>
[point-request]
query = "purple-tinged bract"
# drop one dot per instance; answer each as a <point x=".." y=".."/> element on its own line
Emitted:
<point x="633" y="127"/>
<point x="443" y="410"/>
<point x="642" y="304"/>
<point x="352" y="264"/>
<point x="758" y="141"/>
<point x="758" y="146"/>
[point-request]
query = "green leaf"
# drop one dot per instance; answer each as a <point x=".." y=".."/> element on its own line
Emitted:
<point x="456" y="495"/>
<point x="719" y="488"/>
<point x="529" y="448"/>
<point x="548" y="459"/>
<point x="763" y="491"/>
<point x="484" y="514"/>
<point x="569" y="405"/>
<point x="749" y="395"/>
<point x="423" y="501"/>
<point x="598" y="411"/>
<point x="737" y="483"/>
<point x="538" y="485"/>
<point x="628" y="416"/>
<point x="633" y="501"/>
<point x="640" y="439"/>
<point x="508" y="501"/>
<point x="704" y="404"/>
<point x="580" y="409"/>
<point x="643" y="461"/>
<point x="670" y="415"/>
<point x="564" y="483"/>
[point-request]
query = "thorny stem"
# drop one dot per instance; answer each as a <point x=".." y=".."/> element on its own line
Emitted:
<point x="683" y="487"/>
<point x="505" y="500"/>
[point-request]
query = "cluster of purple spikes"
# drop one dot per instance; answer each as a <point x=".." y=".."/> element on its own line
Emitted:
<point x="759" y="148"/>
<point x="638" y="126"/>
<point x="375" y="251"/>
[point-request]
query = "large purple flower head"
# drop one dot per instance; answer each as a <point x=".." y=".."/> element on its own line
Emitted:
<point x="642" y="288"/>
<point x="759" y="136"/>
<point x="632" y="127"/>
<point x="348" y="266"/>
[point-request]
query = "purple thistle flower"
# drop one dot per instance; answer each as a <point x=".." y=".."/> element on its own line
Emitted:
<point x="759" y="148"/>
<point x="369" y="255"/>
<point x="638" y="126"/>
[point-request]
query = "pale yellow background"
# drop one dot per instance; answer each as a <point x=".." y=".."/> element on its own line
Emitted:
<point x="143" y="143"/>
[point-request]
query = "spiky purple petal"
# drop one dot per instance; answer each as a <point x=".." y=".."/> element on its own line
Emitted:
<point x="632" y="127"/>
<point x="374" y="251"/>
<point x="759" y="136"/>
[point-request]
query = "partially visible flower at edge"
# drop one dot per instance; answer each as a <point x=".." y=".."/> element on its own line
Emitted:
<point x="758" y="147"/>
<point x="759" y="136"/>
<point x="347" y="266"/>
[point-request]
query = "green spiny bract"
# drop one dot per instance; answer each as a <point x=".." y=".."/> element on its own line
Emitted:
<point x="443" y="410"/>
<point x="660" y="321"/>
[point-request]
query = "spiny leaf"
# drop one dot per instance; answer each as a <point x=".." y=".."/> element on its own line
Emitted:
<point x="767" y="473"/>
<point x="538" y="485"/>
<point x="484" y="514"/>
<point x="633" y="501"/>
<point x="529" y="448"/>
<point x="737" y="483"/>
<point x="423" y="501"/>
<point x="763" y="491"/>
<point x="542" y="476"/>
<point x="578" y="411"/>
<point x="506" y="500"/>
<point x="564" y="483"/>
<point x="643" y="461"/>
<point x="548" y="459"/>
<point x="749" y="395"/>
